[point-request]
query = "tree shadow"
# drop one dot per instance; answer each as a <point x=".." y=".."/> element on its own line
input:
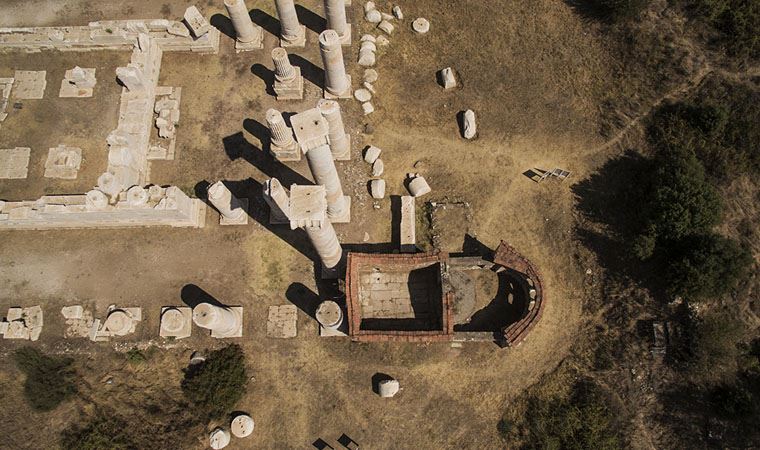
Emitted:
<point x="266" y="75"/>
<point x="192" y="296"/>
<point x="314" y="74"/>
<point x="314" y="22"/>
<point x="223" y="24"/>
<point x="265" y="21"/>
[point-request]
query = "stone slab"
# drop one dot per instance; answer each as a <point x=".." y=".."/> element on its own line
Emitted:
<point x="408" y="225"/>
<point x="14" y="162"/>
<point x="71" y="90"/>
<point x="63" y="162"/>
<point x="29" y="84"/>
<point x="282" y="322"/>
<point x="310" y="128"/>
<point x="308" y="206"/>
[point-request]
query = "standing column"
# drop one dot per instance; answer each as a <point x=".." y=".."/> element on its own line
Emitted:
<point x="222" y="321"/>
<point x="340" y="142"/>
<point x="279" y="203"/>
<point x="288" y="82"/>
<point x="325" y="242"/>
<point x="335" y="10"/>
<point x="337" y="82"/>
<point x="231" y="209"/>
<point x="323" y="169"/>
<point x="249" y="36"/>
<point x="292" y="33"/>
<point x="283" y="146"/>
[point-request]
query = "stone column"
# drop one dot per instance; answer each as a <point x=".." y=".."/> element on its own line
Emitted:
<point x="222" y="321"/>
<point x="288" y="82"/>
<point x="329" y="315"/>
<point x="340" y="142"/>
<point x="337" y="82"/>
<point x="279" y="203"/>
<point x="231" y="209"/>
<point x="283" y="146"/>
<point x="323" y="169"/>
<point x="335" y="10"/>
<point x="248" y="34"/>
<point x="325" y="242"/>
<point x="292" y="33"/>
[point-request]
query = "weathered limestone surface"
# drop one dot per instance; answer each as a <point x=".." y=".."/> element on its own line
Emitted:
<point x="311" y="129"/>
<point x="469" y="127"/>
<point x="282" y="322"/>
<point x="292" y="33"/>
<point x="249" y="36"/>
<point x="329" y="315"/>
<point x="308" y="210"/>
<point x="231" y="209"/>
<point x="78" y="82"/>
<point x="176" y="322"/>
<point x="162" y="206"/>
<point x="335" y="11"/>
<point x="29" y="84"/>
<point x="371" y="154"/>
<point x="448" y="80"/>
<point x="323" y="169"/>
<point x="276" y="196"/>
<point x="388" y="388"/>
<point x="377" y="189"/>
<point x="242" y="425"/>
<point x="63" y="162"/>
<point x="195" y="21"/>
<point x="14" y="162"/>
<point x="22" y="323"/>
<point x="223" y="321"/>
<point x="337" y="82"/>
<point x="418" y="186"/>
<point x="118" y="322"/>
<point x="407" y="228"/>
<point x="282" y="146"/>
<point x="339" y="141"/>
<point x="288" y="82"/>
<point x="219" y="438"/>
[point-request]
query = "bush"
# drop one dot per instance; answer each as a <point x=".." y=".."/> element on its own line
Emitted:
<point x="215" y="386"/>
<point x="104" y="432"/>
<point x="732" y="401"/>
<point x="706" y="265"/>
<point x="49" y="381"/>
<point x="737" y="20"/>
<point x="620" y="9"/>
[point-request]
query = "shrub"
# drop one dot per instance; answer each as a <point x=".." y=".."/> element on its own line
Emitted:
<point x="214" y="386"/>
<point x="49" y="381"/>
<point x="104" y="432"/>
<point x="709" y="348"/>
<point x="706" y="265"/>
<point x="732" y="401"/>
<point x="620" y="9"/>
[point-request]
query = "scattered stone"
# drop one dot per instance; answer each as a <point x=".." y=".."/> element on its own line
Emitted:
<point x="367" y="58"/>
<point x="219" y="438"/>
<point x="447" y="78"/>
<point x="371" y="154"/>
<point x="397" y="12"/>
<point x="282" y="322"/>
<point x="382" y="41"/>
<point x="23" y="323"/>
<point x="370" y="75"/>
<point x="367" y="45"/>
<point x="63" y="162"/>
<point x="242" y="425"/>
<point x="368" y="128"/>
<point x="377" y="188"/>
<point x="421" y="25"/>
<point x="363" y="95"/>
<point x="387" y="16"/>
<point x="366" y="237"/>
<point x="373" y="16"/>
<point x="369" y="6"/>
<point x="78" y="82"/>
<point x="368" y="38"/>
<point x="196" y="22"/>
<point x="378" y="167"/>
<point x="386" y="27"/>
<point x="367" y="108"/>
<point x="72" y="312"/>
<point x="197" y="358"/>
<point x="388" y="388"/>
<point x="469" y="127"/>
<point x="418" y="186"/>
<point x="369" y="87"/>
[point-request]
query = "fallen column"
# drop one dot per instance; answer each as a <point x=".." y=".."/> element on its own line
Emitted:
<point x="277" y="198"/>
<point x="249" y="36"/>
<point x="337" y="82"/>
<point x="288" y="82"/>
<point x="340" y="142"/>
<point x="335" y="11"/>
<point x="283" y="147"/>
<point x="323" y="169"/>
<point x="224" y="322"/>
<point x="292" y="33"/>
<point x="231" y="209"/>
<point x="308" y="210"/>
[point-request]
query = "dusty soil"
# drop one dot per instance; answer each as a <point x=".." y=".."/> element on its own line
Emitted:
<point x="534" y="71"/>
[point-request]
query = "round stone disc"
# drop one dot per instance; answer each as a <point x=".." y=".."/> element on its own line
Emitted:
<point x="242" y="425"/>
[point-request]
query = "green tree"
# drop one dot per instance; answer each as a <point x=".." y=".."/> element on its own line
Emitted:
<point x="216" y="385"/>
<point x="49" y="381"/>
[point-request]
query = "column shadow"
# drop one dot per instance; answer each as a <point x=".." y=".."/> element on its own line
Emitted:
<point x="314" y="74"/>
<point x="266" y="75"/>
<point x="265" y="21"/>
<point x="192" y="296"/>
<point x="223" y="24"/>
<point x="314" y="22"/>
<point x="237" y="146"/>
<point x="304" y="298"/>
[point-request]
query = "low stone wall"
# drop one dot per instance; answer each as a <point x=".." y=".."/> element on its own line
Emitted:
<point x="507" y="257"/>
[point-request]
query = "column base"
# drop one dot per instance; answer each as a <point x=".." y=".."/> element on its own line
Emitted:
<point x="289" y="153"/>
<point x="346" y="216"/>
<point x="292" y="90"/>
<point x="238" y="332"/>
<point x="346" y="155"/>
<point x="347" y="94"/>
<point x="243" y="220"/>
<point x="187" y="314"/>
<point x="299" y="42"/>
<point x="256" y="44"/>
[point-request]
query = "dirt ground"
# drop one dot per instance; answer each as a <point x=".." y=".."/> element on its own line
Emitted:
<point x="535" y="73"/>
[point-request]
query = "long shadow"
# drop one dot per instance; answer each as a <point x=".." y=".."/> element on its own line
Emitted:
<point x="237" y="146"/>
<point x="499" y="312"/>
<point x="396" y="220"/>
<point x="377" y="378"/>
<point x="266" y="75"/>
<point x="473" y="247"/>
<point x="304" y="298"/>
<point x="314" y="22"/>
<point x="265" y="21"/>
<point x="314" y="74"/>
<point x="192" y="296"/>
<point x="320" y="444"/>
<point x="223" y="24"/>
